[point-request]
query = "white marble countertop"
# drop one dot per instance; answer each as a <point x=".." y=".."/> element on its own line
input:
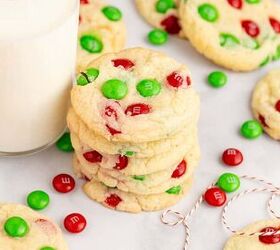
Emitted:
<point x="223" y="111"/>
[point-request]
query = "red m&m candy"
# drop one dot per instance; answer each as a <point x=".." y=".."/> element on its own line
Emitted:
<point x="112" y="131"/>
<point x="237" y="4"/>
<point x="232" y="157"/>
<point x="113" y="200"/>
<point x="84" y="1"/>
<point x="275" y="24"/>
<point x="63" y="183"/>
<point x="125" y="63"/>
<point x="262" y="120"/>
<point x="93" y="156"/>
<point x="180" y="170"/>
<point x="277" y="106"/>
<point x="137" y="109"/>
<point x="111" y="112"/>
<point x="122" y="162"/>
<point x="175" y="80"/>
<point x="215" y="197"/>
<point x="270" y="239"/>
<point x="75" y="223"/>
<point x="251" y="28"/>
<point x="171" y="25"/>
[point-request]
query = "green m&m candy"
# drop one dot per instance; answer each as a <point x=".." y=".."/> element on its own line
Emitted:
<point x="112" y="13"/>
<point x="229" y="182"/>
<point x="217" y="79"/>
<point x="253" y="1"/>
<point x="174" y="190"/>
<point x="47" y="248"/>
<point x="91" y="44"/>
<point x="208" y="12"/>
<point x="38" y="200"/>
<point x="251" y="129"/>
<point x="162" y="6"/>
<point x="129" y="153"/>
<point x="265" y="61"/>
<point x="276" y="56"/>
<point x="148" y="87"/>
<point x="16" y="227"/>
<point x="64" y="143"/>
<point x="158" y="37"/>
<point x="87" y="77"/>
<point x="114" y="89"/>
<point x="228" y="40"/>
<point x="139" y="177"/>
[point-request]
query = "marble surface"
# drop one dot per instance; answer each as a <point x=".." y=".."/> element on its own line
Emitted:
<point x="222" y="113"/>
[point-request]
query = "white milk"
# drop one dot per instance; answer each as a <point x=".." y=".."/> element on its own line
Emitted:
<point x="37" y="63"/>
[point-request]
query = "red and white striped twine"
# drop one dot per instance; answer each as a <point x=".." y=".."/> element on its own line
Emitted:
<point x="183" y="219"/>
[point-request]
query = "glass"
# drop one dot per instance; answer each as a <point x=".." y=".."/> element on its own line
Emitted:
<point x="38" y="41"/>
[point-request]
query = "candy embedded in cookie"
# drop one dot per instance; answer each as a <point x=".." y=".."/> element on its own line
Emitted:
<point x="25" y="229"/>
<point x="243" y="35"/>
<point x="101" y="30"/>
<point x="268" y="239"/>
<point x="162" y="14"/>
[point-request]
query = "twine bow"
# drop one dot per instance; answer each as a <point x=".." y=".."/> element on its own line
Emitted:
<point x="174" y="218"/>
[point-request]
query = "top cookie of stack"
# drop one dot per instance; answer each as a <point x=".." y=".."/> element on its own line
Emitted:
<point x="133" y="125"/>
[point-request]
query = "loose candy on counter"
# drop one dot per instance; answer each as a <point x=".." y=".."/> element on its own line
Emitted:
<point x="251" y="129"/>
<point x="157" y="37"/>
<point x="38" y="200"/>
<point x="16" y="227"/>
<point x="75" y="223"/>
<point x="232" y="157"/>
<point x="215" y="197"/>
<point x="217" y="79"/>
<point x="63" y="183"/>
<point x="64" y="143"/>
<point x="228" y="182"/>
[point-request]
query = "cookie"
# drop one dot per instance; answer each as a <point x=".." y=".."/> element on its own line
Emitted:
<point x="136" y="95"/>
<point x="237" y="242"/>
<point x="24" y="229"/>
<point x="162" y="14"/>
<point x="128" y="202"/>
<point x="101" y="30"/>
<point x="139" y="150"/>
<point x="266" y="103"/>
<point x="241" y="35"/>
<point x="129" y="165"/>
<point x="154" y="183"/>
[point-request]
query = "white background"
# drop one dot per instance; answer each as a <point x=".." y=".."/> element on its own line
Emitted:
<point x="223" y="111"/>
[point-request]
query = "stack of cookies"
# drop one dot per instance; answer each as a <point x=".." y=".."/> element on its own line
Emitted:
<point x="133" y="125"/>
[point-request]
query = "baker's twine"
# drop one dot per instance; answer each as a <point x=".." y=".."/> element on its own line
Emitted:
<point x="183" y="219"/>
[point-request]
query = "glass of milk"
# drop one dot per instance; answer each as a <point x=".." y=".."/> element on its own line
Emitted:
<point x="38" y="41"/>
